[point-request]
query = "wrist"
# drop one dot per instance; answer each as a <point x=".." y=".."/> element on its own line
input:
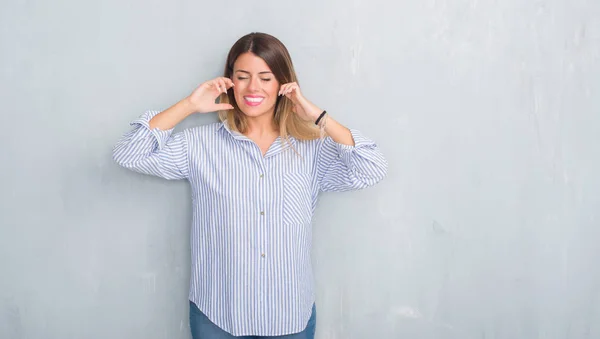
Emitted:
<point x="313" y="111"/>
<point x="187" y="106"/>
<point x="318" y="118"/>
<point x="314" y="116"/>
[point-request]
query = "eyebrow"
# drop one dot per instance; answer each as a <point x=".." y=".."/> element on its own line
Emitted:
<point x="263" y="72"/>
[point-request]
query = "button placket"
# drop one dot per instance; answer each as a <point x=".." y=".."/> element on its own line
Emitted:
<point x="261" y="189"/>
<point x="262" y="201"/>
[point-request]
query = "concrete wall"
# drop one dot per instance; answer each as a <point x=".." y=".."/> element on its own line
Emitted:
<point x="488" y="111"/>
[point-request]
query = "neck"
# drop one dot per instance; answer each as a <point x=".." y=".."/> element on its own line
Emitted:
<point x="261" y="126"/>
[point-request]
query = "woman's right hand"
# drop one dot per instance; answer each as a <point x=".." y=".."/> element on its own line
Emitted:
<point x="203" y="98"/>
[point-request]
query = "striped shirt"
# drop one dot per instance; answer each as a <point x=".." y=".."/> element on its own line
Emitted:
<point x="251" y="235"/>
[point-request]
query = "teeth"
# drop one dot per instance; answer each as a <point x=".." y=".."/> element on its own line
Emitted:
<point x="254" y="99"/>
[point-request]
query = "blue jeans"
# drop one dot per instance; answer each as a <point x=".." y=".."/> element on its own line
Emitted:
<point x="203" y="328"/>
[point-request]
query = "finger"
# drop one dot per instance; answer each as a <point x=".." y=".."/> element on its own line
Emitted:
<point x="223" y="107"/>
<point x="223" y="85"/>
<point x="289" y="90"/>
<point x="283" y="88"/>
<point x="208" y="85"/>
<point x="229" y="82"/>
<point x="215" y="85"/>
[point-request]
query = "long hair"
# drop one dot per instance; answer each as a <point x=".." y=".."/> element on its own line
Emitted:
<point x="277" y="57"/>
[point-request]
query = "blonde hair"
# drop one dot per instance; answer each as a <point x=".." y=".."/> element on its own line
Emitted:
<point x="277" y="57"/>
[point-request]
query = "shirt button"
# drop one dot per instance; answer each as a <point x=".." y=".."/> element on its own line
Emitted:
<point x="262" y="212"/>
<point x="262" y="255"/>
<point x="262" y="175"/>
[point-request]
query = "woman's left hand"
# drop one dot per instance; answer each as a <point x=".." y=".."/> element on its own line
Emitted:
<point x="305" y="109"/>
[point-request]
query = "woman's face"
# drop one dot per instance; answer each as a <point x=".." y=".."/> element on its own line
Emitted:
<point x="255" y="87"/>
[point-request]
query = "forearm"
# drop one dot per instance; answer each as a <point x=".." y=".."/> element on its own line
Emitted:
<point x="155" y="152"/>
<point x="170" y="117"/>
<point x="348" y="160"/>
<point x="338" y="132"/>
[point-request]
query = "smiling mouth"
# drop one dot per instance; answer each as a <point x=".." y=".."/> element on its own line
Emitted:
<point x="253" y="101"/>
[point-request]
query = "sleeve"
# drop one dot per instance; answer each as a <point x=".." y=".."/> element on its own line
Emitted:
<point x="153" y="151"/>
<point x="344" y="168"/>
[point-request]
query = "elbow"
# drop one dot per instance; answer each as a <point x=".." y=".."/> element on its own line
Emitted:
<point x="121" y="156"/>
<point x="368" y="172"/>
<point x="377" y="175"/>
<point x="367" y="178"/>
<point x="117" y="156"/>
<point x="381" y="173"/>
<point x="377" y="172"/>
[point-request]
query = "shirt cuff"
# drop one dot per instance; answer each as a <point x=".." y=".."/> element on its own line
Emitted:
<point x="143" y="123"/>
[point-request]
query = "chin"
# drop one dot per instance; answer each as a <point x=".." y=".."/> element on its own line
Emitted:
<point x="256" y="111"/>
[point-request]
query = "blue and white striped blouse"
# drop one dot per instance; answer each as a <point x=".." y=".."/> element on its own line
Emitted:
<point x="251" y="236"/>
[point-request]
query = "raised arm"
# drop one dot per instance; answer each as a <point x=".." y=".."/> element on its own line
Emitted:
<point x="346" y="160"/>
<point x="149" y="147"/>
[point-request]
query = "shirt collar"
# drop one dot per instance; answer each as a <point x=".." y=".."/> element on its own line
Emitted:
<point x="239" y="136"/>
<point x="236" y="135"/>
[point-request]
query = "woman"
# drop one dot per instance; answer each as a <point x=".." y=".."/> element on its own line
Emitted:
<point x="255" y="177"/>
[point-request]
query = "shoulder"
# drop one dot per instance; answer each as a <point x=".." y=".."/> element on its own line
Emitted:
<point x="202" y="136"/>
<point x="309" y="143"/>
<point x="203" y="131"/>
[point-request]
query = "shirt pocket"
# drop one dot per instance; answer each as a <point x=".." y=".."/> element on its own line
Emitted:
<point x="297" y="198"/>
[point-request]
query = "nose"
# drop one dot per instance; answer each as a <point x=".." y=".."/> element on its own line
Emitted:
<point x="254" y="84"/>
